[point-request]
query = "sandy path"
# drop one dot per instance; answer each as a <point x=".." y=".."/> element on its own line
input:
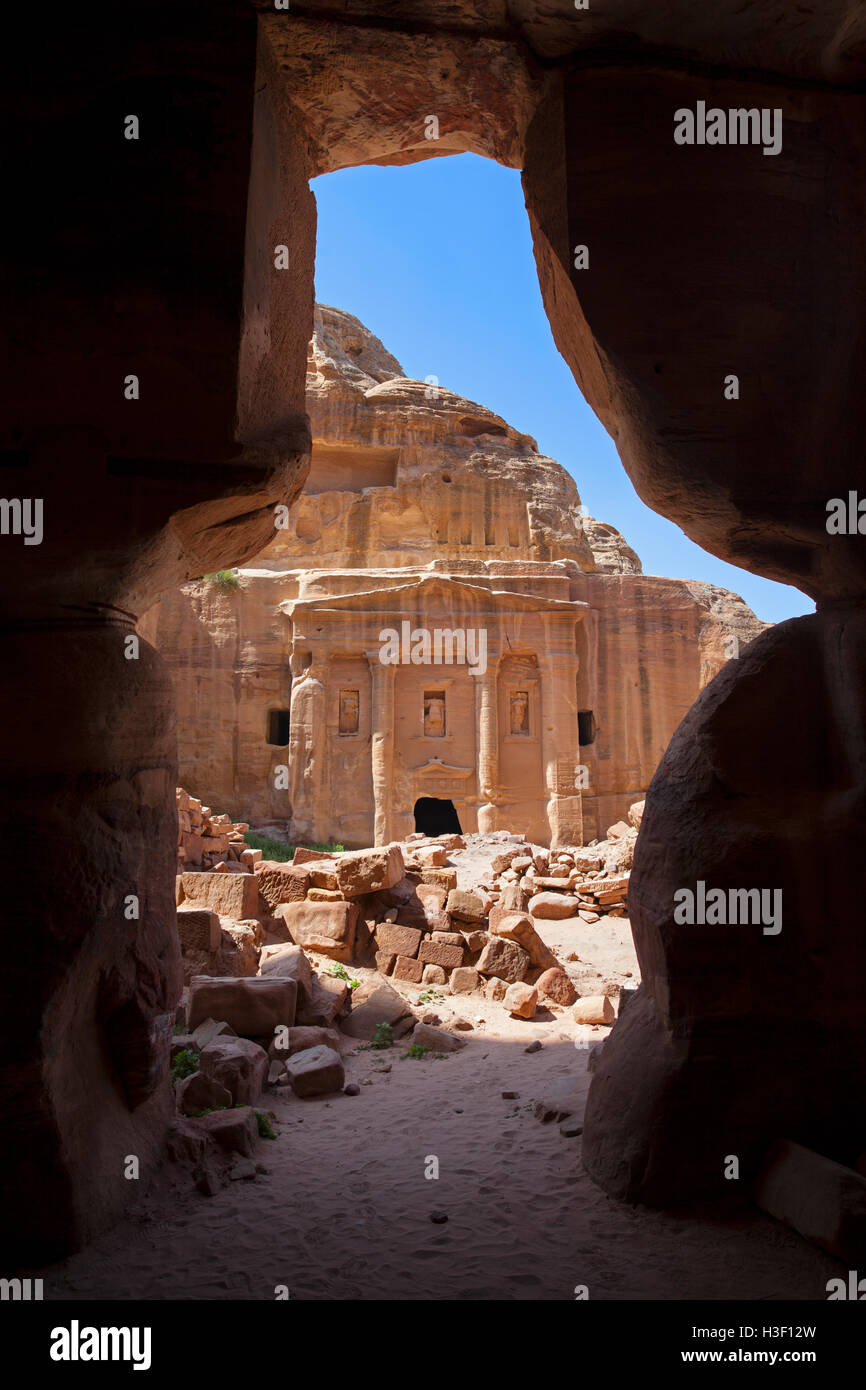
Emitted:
<point x="343" y="1211"/>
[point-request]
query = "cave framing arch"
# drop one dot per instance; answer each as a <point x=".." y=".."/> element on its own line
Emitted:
<point x="190" y="296"/>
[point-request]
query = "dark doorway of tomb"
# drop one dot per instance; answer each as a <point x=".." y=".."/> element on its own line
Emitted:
<point x="434" y="816"/>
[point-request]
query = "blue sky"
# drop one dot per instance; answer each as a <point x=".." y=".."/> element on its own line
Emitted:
<point x="436" y="259"/>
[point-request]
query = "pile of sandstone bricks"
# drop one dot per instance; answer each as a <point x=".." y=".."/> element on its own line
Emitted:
<point x="258" y="1013"/>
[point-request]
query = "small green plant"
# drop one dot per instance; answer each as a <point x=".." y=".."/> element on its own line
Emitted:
<point x="339" y="970"/>
<point x="266" y="1129"/>
<point x="184" y="1064"/>
<point x="416" y="1052"/>
<point x="382" y="1037"/>
<point x="430" y="996"/>
<point x="223" y="579"/>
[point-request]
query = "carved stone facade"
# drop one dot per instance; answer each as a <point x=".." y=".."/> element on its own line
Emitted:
<point x="436" y="620"/>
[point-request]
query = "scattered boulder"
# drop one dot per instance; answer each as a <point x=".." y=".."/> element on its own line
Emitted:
<point x="434" y="1039"/>
<point x="210" y="1029"/>
<point x="520" y="928"/>
<point x="326" y="1004"/>
<point x="521" y="1000"/>
<point x="503" y="958"/>
<point x="238" y="1064"/>
<point x="554" y="906"/>
<point x="554" y="984"/>
<point x="316" y="1071"/>
<point x="201" y="1092"/>
<point x="594" y="1008"/>
<point x="293" y="1040"/>
<point x="377" y="1002"/>
<point x="464" y="979"/>
<point x="234" y="1130"/>
<point x="369" y="870"/>
<point x="465" y="907"/>
<point x="288" y="962"/>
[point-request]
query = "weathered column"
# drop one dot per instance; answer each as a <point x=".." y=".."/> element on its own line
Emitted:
<point x="487" y="748"/>
<point x="308" y="751"/>
<point x="382" y="744"/>
<point x="559" y="741"/>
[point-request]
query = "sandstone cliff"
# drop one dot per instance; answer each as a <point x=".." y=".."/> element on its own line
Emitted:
<point x="426" y="506"/>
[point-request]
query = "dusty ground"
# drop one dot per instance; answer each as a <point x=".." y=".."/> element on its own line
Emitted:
<point x="344" y="1209"/>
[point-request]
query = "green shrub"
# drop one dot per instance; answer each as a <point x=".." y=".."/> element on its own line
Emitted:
<point x="382" y="1037"/>
<point x="271" y="849"/>
<point x="416" y="1051"/>
<point x="281" y="853"/>
<point x="339" y="970"/>
<point x="223" y="579"/>
<point x="266" y="1129"/>
<point x="184" y="1064"/>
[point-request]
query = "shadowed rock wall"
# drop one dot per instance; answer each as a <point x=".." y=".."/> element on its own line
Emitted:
<point x="138" y="258"/>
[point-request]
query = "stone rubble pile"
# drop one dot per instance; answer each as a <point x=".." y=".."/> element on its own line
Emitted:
<point x="271" y="1003"/>
<point x="205" y="840"/>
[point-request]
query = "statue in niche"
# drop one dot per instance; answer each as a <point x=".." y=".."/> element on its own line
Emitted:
<point x="520" y="712"/>
<point x="434" y="716"/>
<point x="349" y="707"/>
<point x="306" y="746"/>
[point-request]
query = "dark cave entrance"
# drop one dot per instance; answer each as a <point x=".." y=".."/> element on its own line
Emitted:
<point x="434" y="816"/>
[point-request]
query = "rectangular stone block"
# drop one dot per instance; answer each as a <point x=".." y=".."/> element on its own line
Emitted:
<point x="401" y="941"/>
<point x="253" y="1007"/>
<point x="328" y="928"/>
<point x="192" y="847"/>
<point x="231" y="895"/>
<point x="329" y="997"/>
<point x="437" y="953"/>
<point x="405" y="968"/>
<point x="385" y="962"/>
<point x="198" y="929"/>
<point x="444" y="878"/>
<point x="215" y="844"/>
<point x="369" y="870"/>
<point x="466" y="907"/>
<point x="285" y="884"/>
<point x="323" y="875"/>
<point x="307" y="856"/>
<point x="823" y="1200"/>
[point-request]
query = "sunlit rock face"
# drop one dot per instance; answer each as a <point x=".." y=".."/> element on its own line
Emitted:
<point x="425" y="514"/>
